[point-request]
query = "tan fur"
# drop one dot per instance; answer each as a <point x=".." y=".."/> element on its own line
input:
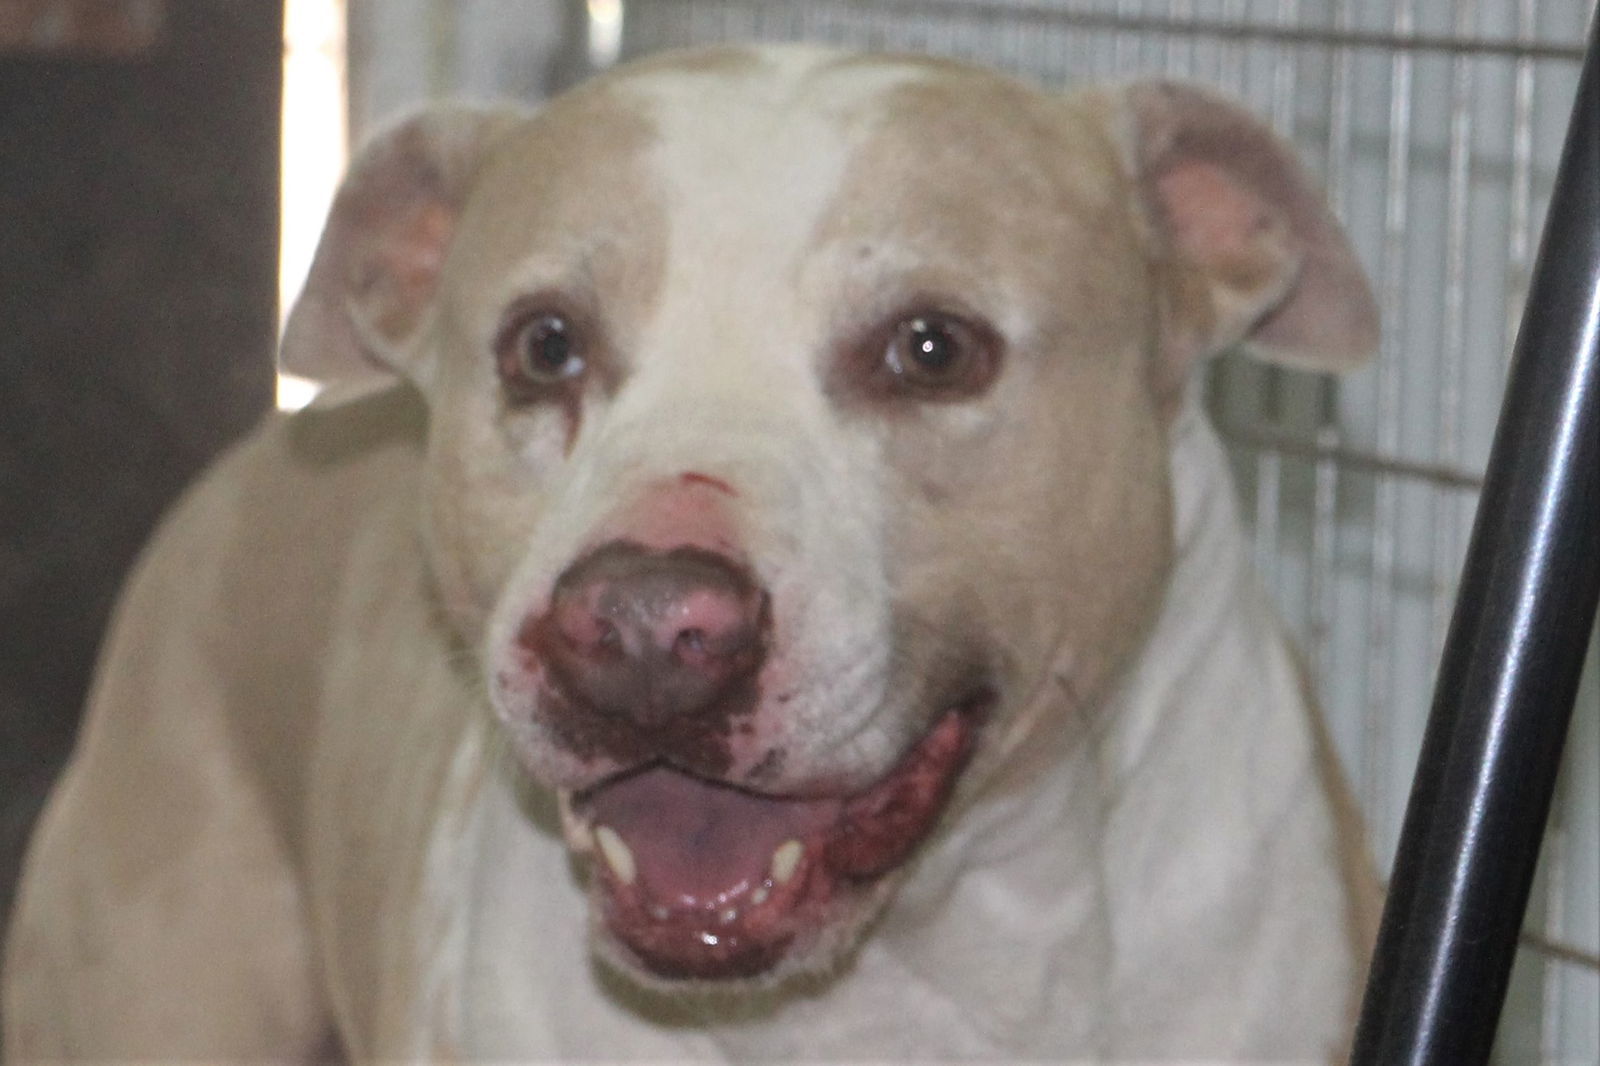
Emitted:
<point x="1362" y="883"/>
<point x="993" y="213"/>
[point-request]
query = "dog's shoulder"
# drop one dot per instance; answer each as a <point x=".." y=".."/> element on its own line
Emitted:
<point x="238" y="584"/>
<point x="301" y="484"/>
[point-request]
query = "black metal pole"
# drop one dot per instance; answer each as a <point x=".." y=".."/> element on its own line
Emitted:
<point x="1511" y="663"/>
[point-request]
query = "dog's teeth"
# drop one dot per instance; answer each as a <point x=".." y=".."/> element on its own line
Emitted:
<point x="618" y="856"/>
<point x="786" y="859"/>
<point x="729" y="915"/>
<point x="579" y="836"/>
<point x="759" y="896"/>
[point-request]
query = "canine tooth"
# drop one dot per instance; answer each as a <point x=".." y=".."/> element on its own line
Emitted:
<point x="576" y="830"/>
<point x="618" y="856"/>
<point x="786" y="859"/>
<point x="759" y="896"/>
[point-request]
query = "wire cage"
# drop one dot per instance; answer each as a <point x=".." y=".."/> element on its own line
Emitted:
<point x="1435" y="126"/>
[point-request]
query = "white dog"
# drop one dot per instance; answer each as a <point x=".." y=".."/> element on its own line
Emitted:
<point x="792" y="570"/>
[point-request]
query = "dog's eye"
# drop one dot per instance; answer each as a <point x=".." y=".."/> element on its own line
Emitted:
<point x="545" y="351"/>
<point x="539" y="351"/>
<point x="938" y="356"/>
<point x="922" y="346"/>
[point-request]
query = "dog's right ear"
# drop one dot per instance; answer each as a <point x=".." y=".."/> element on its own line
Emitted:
<point x="372" y="281"/>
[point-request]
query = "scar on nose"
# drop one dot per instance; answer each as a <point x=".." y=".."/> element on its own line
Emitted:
<point x="695" y="478"/>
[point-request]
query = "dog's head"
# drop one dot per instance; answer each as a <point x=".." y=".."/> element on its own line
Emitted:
<point x="797" y="440"/>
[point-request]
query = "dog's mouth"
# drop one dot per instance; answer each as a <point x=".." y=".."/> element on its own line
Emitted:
<point x="702" y="880"/>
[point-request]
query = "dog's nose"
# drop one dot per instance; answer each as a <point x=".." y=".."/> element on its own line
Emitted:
<point x="652" y="637"/>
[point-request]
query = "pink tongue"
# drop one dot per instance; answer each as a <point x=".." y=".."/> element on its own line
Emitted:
<point x="694" y="842"/>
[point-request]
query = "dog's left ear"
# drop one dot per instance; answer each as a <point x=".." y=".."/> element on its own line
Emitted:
<point x="373" y="277"/>
<point x="1248" y="251"/>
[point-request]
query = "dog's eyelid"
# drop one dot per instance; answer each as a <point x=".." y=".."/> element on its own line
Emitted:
<point x="926" y="352"/>
<point x="519" y="309"/>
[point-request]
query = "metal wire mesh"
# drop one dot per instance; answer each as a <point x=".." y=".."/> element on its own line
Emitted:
<point x="1435" y="126"/>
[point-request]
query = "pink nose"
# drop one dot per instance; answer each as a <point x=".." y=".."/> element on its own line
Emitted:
<point x="653" y="637"/>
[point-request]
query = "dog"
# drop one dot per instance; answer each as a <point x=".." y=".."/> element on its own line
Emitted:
<point x="762" y="587"/>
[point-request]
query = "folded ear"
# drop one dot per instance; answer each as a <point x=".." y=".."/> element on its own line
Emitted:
<point x="1249" y="251"/>
<point x="377" y="264"/>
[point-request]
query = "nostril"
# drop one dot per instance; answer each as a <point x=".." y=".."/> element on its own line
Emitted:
<point x="582" y="627"/>
<point x="710" y="617"/>
<point x="690" y="649"/>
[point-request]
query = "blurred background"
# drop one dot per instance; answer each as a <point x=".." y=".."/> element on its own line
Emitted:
<point x="165" y="165"/>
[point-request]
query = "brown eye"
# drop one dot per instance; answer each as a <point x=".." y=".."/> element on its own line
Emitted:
<point x="539" y="351"/>
<point x="938" y="356"/>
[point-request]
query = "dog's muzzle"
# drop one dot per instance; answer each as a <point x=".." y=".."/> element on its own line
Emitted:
<point x="650" y="662"/>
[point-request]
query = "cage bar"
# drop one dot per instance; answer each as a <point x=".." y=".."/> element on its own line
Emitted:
<point x="1511" y="664"/>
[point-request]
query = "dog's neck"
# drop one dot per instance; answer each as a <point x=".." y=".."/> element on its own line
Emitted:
<point x="1211" y="593"/>
<point x="1219" y="850"/>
